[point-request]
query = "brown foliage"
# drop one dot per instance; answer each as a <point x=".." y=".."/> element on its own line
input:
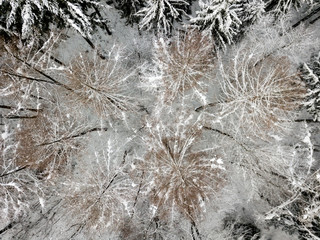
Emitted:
<point x="96" y="205"/>
<point x="18" y="185"/>
<point x="100" y="84"/>
<point x="182" y="175"/>
<point x="103" y="194"/>
<point x="260" y="92"/>
<point x="185" y="63"/>
<point x="45" y="144"/>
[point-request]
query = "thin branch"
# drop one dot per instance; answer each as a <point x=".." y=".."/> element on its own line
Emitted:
<point x="247" y="150"/>
<point x="305" y="120"/>
<point x="20" y="109"/>
<point x="194" y="227"/>
<point x="28" y="78"/>
<point x="9" y="226"/>
<point x="314" y="20"/>
<point x="89" y="42"/>
<point x="115" y="175"/>
<point x="192" y="234"/>
<point x="270" y="6"/>
<point x="138" y="193"/>
<point x="41" y="72"/>
<point x="100" y="17"/>
<point x="203" y="107"/>
<point x="74" y="136"/>
<point x="17" y="117"/>
<point x="34" y="96"/>
<point x="103" y="57"/>
<point x="142" y="108"/>
<point x="227" y="135"/>
<point x="313" y="12"/>
<point x="31" y="225"/>
<point x="14" y="171"/>
<point x="111" y="180"/>
<point x="54" y="58"/>
<point x="79" y="229"/>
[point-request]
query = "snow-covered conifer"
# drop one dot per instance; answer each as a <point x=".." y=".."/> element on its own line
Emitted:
<point x="310" y="74"/>
<point x="220" y="18"/>
<point x="28" y="17"/>
<point x="251" y="10"/>
<point x="283" y="6"/>
<point x="160" y="14"/>
<point x="129" y="8"/>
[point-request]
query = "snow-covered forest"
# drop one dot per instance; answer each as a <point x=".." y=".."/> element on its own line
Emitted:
<point x="160" y="119"/>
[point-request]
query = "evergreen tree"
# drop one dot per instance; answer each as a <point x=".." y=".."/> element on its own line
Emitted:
<point x="27" y="17"/>
<point x="128" y="9"/>
<point x="283" y="6"/>
<point x="161" y="14"/>
<point x="219" y="17"/>
<point x="310" y="73"/>
<point x="251" y="10"/>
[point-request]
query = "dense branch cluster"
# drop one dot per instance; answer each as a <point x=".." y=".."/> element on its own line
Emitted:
<point x="183" y="176"/>
<point x="261" y="93"/>
<point x="17" y="185"/>
<point x="103" y="196"/>
<point x="184" y="65"/>
<point x="101" y="84"/>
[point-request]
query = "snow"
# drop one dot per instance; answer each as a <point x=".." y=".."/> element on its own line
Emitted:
<point x="6" y="133"/>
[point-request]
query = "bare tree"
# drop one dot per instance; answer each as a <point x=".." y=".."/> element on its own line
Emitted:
<point x="181" y="174"/>
<point x="99" y="196"/>
<point x="259" y="92"/>
<point x="182" y="66"/>
<point x="101" y="83"/>
<point x="47" y="141"/>
<point x="19" y="187"/>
